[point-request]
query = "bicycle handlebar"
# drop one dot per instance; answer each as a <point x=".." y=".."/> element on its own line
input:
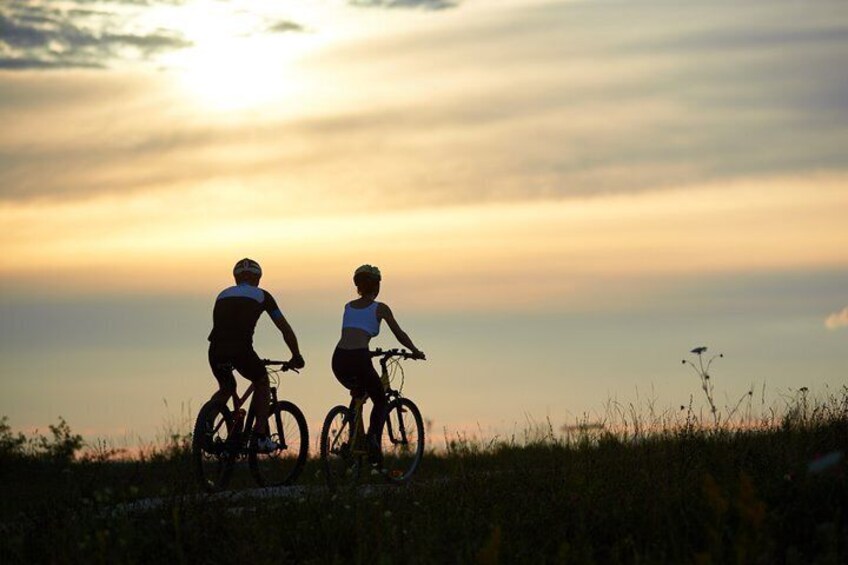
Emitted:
<point x="389" y="353"/>
<point x="284" y="365"/>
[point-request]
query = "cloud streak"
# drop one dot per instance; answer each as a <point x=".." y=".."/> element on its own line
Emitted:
<point x="39" y="37"/>
<point x="837" y="320"/>
<point x="471" y="113"/>
<point x="415" y="4"/>
<point x="285" y="26"/>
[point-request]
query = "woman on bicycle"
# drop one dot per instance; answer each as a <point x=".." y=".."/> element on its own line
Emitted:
<point x="352" y="364"/>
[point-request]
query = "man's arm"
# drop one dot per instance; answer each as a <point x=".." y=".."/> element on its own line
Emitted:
<point x="290" y="339"/>
<point x="385" y="313"/>
<point x="270" y="306"/>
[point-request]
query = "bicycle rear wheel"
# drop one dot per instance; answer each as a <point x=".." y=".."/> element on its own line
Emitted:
<point x="212" y="448"/>
<point x="340" y="462"/>
<point x="402" y="442"/>
<point x="287" y="428"/>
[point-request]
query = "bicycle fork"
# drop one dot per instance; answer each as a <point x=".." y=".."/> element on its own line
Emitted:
<point x="401" y="428"/>
<point x="278" y="419"/>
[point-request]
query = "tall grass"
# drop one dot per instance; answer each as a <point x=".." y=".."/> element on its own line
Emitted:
<point x="636" y="485"/>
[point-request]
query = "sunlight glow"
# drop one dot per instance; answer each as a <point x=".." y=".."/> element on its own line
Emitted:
<point x="230" y="75"/>
<point x="236" y="62"/>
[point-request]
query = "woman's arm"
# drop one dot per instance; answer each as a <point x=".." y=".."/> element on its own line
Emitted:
<point x="385" y="313"/>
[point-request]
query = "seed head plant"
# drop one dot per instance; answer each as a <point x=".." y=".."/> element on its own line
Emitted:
<point x="703" y="372"/>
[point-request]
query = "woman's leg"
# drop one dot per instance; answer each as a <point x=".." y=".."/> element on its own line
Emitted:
<point x="374" y="388"/>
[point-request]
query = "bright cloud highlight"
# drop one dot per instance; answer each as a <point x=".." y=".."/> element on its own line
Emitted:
<point x="837" y="319"/>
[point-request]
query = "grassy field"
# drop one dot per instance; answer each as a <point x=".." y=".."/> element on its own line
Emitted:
<point x="640" y="492"/>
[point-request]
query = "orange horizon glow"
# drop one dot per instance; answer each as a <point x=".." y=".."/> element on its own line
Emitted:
<point x="752" y="225"/>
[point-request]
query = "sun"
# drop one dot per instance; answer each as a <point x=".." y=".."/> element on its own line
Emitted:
<point x="233" y="74"/>
<point x="234" y="62"/>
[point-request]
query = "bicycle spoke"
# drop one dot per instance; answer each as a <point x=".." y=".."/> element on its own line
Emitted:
<point x="403" y="440"/>
<point x="340" y="464"/>
<point x="282" y="465"/>
<point x="213" y="459"/>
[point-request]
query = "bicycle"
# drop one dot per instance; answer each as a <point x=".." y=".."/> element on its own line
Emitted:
<point x="343" y="446"/>
<point x="223" y="436"/>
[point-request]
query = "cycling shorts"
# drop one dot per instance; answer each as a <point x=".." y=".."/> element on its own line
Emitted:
<point x="246" y="362"/>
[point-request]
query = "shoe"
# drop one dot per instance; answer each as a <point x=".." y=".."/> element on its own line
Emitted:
<point x="264" y="444"/>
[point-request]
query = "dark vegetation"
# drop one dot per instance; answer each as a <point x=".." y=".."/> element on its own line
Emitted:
<point x="770" y="491"/>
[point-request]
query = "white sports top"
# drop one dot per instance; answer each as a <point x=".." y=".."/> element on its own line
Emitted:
<point x="362" y="318"/>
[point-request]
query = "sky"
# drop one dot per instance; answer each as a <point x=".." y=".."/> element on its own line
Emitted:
<point x="564" y="197"/>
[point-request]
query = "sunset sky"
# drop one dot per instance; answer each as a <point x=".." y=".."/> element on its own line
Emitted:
<point x="564" y="198"/>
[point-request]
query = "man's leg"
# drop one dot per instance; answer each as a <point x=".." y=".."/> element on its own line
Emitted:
<point x="223" y="394"/>
<point x="223" y="372"/>
<point x="261" y="404"/>
<point x="251" y="367"/>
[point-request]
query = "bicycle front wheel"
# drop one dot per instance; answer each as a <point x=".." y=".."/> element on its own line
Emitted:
<point x="402" y="442"/>
<point x="283" y="466"/>
<point x="212" y="449"/>
<point x="340" y="462"/>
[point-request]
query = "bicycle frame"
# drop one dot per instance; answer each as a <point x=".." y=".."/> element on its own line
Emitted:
<point x="356" y="405"/>
<point x="401" y="440"/>
<point x="243" y="422"/>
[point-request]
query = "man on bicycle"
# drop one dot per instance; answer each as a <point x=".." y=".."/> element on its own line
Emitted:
<point x="236" y="311"/>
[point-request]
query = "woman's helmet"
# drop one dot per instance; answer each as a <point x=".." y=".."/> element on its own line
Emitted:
<point x="247" y="266"/>
<point x="368" y="270"/>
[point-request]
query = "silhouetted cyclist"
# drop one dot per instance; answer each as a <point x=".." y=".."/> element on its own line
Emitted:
<point x="352" y="360"/>
<point x="237" y="309"/>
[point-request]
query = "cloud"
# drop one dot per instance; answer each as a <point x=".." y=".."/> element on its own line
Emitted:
<point x="720" y="40"/>
<point x="488" y="108"/>
<point x="38" y="37"/>
<point x="420" y="4"/>
<point x="837" y="319"/>
<point x="30" y="63"/>
<point x="285" y="26"/>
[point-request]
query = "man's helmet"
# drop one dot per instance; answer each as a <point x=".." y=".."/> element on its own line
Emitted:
<point x="247" y="266"/>
<point x="369" y="270"/>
